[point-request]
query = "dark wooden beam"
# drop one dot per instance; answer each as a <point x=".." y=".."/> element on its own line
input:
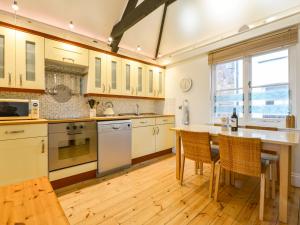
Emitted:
<point x="116" y="40"/>
<point x="161" y="29"/>
<point x="140" y="12"/>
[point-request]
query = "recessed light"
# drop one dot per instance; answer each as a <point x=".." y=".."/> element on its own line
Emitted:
<point x="110" y="40"/>
<point x="159" y="55"/>
<point x="15" y="6"/>
<point x="270" y="19"/>
<point x="138" y="48"/>
<point x="71" y="25"/>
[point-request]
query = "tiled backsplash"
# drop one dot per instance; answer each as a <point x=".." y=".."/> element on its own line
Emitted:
<point x="77" y="106"/>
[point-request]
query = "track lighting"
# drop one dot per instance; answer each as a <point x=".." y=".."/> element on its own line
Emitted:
<point x="71" y="25"/>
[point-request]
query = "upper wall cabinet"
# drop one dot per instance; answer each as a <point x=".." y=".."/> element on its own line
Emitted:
<point x="96" y="79"/>
<point x="30" y="62"/>
<point x="159" y="78"/>
<point x="7" y="57"/>
<point x="140" y="79"/>
<point x="114" y="75"/>
<point x="128" y="77"/>
<point x="63" y="52"/>
<point x="21" y="60"/>
<point x="150" y="82"/>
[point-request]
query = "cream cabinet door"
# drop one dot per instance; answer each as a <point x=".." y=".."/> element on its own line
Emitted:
<point x="114" y="75"/>
<point x="23" y="159"/>
<point x="150" y="81"/>
<point x="30" y="61"/>
<point x="159" y="86"/>
<point x="96" y="79"/>
<point x="165" y="138"/>
<point x="128" y="78"/>
<point x="7" y="57"/>
<point x="64" y="52"/>
<point x="140" y="79"/>
<point x="143" y="141"/>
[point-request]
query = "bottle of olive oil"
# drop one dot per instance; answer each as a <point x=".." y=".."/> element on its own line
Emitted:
<point x="234" y="121"/>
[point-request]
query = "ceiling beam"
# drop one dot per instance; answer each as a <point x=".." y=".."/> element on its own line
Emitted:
<point x="116" y="40"/>
<point x="140" y="12"/>
<point x="161" y="29"/>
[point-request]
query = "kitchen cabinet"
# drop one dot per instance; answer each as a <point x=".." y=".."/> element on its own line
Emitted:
<point x="140" y="79"/>
<point x="150" y="83"/>
<point x="7" y="57"/>
<point x="114" y="75"/>
<point x="23" y="153"/>
<point x="21" y="60"/>
<point x="97" y="75"/>
<point x="128" y="77"/>
<point x="159" y="83"/>
<point x="30" y="61"/>
<point x="150" y="135"/>
<point x="63" y="52"/>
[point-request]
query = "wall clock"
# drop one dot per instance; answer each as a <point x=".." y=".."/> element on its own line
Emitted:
<point x="186" y="84"/>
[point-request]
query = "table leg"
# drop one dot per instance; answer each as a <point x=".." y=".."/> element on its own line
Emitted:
<point x="178" y="154"/>
<point x="284" y="183"/>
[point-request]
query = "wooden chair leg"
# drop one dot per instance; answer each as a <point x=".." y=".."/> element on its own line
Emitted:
<point x="211" y="182"/>
<point x="273" y="171"/>
<point x="262" y="197"/>
<point x="217" y="183"/>
<point x="182" y="170"/>
<point x="201" y="168"/>
<point x="267" y="182"/>
<point x="196" y="167"/>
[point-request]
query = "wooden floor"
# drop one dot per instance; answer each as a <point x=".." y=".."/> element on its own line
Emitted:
<point x="150" y="194"/>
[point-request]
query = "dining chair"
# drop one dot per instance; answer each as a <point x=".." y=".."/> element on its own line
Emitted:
<point x="242" y="156"/>
<point x="197" y="147"/>
<point x="273" y="160"/>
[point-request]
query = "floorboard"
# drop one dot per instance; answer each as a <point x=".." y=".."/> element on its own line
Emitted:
<point x="148" y="193"/>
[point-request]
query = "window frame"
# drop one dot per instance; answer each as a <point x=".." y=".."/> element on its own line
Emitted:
<point x="247" y="76"/>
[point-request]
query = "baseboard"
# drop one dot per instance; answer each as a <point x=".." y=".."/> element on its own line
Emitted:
<point x="295" y="179"/>
<point x="151" y="156"/>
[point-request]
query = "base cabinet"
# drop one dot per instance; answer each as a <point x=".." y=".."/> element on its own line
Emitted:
<point x="148" y="137"/>
<point x="23" y="159"/>
<point x="143" y="141"/>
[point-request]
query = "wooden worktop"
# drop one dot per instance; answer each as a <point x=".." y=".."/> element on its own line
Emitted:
<point x="21" y="122"/>
<point x="30" y="202"/>
<point x="274" y="137"/>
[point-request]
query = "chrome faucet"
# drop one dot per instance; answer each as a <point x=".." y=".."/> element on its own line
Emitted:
<point x="137" y="110"/>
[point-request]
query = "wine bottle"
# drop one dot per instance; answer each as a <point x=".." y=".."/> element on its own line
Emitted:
<point x="234" y="121"/>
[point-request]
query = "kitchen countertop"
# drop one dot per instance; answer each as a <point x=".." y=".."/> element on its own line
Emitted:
<point x="31" y="202"/>
<point x="69" y="120"/>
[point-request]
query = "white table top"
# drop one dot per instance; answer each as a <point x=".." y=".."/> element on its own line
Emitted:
<point x="274" y="137"/>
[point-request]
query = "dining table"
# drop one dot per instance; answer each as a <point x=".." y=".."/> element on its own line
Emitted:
<point x="281" y="142"/>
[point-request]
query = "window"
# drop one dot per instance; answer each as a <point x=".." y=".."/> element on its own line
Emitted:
<point x="228" y="88"/>
<point x="257" y="86"/>
<point x="269" y="86"/>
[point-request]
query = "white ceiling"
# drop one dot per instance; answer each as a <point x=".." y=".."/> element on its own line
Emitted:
<point x="187" y="21"/>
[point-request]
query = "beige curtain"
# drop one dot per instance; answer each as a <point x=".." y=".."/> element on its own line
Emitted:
<point x="280" y="38"/>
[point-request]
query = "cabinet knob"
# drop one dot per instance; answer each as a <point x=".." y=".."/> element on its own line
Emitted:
<point x="43" y="146"/>
<point x="21" y="80"/>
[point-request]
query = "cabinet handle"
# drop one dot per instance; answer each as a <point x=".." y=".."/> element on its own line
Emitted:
<point x="9" y="78"/>
<point x="153" y="131"/>
<point x="64" y="58"/>
<point x="109" y="87"/>
<point x="143" y="122"/>
<point x="132" y="91"/>
<point x="157" y="130"/>
<point x="14" y="132"/>
<point x="136" y="91"/>
<point x="43" y="146"/>
<point x="21" y="80"/>
<point x="103" y="87"/>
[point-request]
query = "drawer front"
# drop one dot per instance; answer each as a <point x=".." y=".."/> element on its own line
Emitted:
<point x="23" y="131"/>
<point x="60" y="51"/>
<point x="165" y="120"/>
<point x="143" y="122"/>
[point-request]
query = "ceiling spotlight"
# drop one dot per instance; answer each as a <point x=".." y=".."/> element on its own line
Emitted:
<point x="15" y="6"/>
<point x="138" y="48"/>
<point x="71" y="25"/>
<point x="110" y="40"/>
<point x="159" y="55"/>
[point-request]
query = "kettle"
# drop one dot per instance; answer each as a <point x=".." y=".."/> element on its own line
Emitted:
<point x="109" y="111"/>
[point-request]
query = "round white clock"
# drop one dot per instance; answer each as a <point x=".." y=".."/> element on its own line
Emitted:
<point x="186" y="84"/>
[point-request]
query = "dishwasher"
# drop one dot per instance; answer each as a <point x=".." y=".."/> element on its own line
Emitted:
<point x="114" y="146"/>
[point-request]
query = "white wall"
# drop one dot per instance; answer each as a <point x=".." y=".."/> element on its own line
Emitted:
<point x="199" y="96"/>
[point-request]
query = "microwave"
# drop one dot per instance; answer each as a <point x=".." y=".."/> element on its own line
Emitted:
<point x="19" y="109"/>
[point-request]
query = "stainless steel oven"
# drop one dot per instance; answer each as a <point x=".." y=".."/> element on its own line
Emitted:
<point x="72" y="144"/>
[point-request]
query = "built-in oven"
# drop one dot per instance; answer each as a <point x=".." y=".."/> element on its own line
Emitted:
<point x="19" y="109"/>
<point x="71" y="144"/>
